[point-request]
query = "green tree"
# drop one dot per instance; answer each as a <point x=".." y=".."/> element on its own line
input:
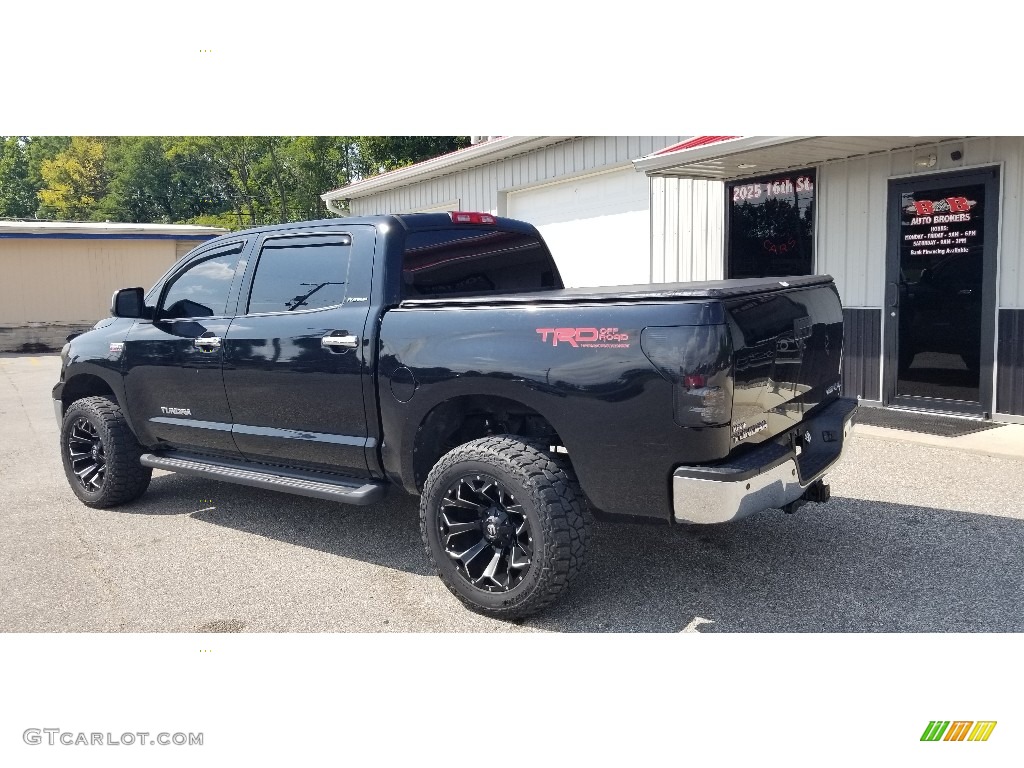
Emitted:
<point x="269" y="179"/>
<point x="235" y="181"/>
<point x="310" y="166"/>
<point x="235" y="161"/>
<point x="377" y="154"/>
<point x="17" y="194"/>
<point x="201" y="188"/>
<point x="204" y="167"/>
<point x="140" y="187"/>
<point x="40" y="149"/>
<point x="74" y="180"/>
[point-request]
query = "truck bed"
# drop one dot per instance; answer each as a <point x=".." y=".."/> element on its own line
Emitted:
<point x="782" y="338"/>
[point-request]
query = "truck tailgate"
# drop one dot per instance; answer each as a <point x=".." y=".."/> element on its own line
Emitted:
<point x="787" y="346"/>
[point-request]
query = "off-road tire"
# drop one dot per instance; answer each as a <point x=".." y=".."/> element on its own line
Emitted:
<point x="124" y="478"/>
<point x="545" y="488"/>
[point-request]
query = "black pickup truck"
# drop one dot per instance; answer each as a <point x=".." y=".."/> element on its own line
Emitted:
<point x="440" y="353"/>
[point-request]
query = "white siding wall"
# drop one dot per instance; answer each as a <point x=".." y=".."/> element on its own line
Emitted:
<point x="687" y="225"/>
<point x="483" y="188"/>
<point x="852" y="202"/>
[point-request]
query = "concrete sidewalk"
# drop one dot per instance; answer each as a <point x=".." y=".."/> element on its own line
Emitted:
<point x="1006" y="441"/>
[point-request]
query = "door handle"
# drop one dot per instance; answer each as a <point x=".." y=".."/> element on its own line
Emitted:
<point x="334" y="342"/>
<point x="893" y="289"/>
<point x="208" y="342"/>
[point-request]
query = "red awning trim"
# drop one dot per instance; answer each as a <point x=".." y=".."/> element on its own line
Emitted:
<point x="699" y="141"/>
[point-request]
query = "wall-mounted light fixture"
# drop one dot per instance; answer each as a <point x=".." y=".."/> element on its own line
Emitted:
<point x="926" y="161"/>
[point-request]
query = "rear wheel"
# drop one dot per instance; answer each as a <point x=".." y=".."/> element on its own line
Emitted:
<point x="101" y="455"/>
<point x="503" y="523"/>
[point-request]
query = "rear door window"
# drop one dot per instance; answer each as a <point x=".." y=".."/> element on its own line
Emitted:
<point x="304" y="273"/>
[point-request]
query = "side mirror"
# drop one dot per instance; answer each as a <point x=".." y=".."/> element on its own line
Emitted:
<point x="128" y="302"/>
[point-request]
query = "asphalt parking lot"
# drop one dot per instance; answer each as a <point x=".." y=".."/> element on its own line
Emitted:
<point x="916" y="539"/>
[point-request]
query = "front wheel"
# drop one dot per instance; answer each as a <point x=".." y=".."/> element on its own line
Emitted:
<point x="100" y="454"/>
<point x="503" y="523"/>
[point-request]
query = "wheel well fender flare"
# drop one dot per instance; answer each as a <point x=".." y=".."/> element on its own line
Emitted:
<point x="459" y="419"/>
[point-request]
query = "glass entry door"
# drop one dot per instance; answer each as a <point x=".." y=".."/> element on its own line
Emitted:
<point x="940" y="293"/>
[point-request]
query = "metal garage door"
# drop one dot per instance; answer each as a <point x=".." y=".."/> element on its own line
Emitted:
<point x="598" y="227"/>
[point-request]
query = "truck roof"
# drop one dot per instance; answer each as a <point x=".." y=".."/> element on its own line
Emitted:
<point x="408" y="221"/>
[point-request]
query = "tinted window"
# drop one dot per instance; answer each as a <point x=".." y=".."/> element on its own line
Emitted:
<point x="940" y="232"/>
<point x="301" y="274"/>
<point x="771" y="225"/>
<point x="202" y="290"/>
<point x="961" y="271"/>
<point x="452" y="262"/>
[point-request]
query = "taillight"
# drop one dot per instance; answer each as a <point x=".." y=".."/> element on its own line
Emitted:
<point x="697" y="360"/>
<point x="469" y="217"/>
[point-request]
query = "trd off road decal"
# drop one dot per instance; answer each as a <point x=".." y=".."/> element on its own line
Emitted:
<point x="584" y="337"/>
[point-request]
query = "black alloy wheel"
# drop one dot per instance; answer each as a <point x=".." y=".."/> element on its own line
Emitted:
<point x="486" y="533"/>
<point x="100" y="454"/>
<point x="87" y="455"/>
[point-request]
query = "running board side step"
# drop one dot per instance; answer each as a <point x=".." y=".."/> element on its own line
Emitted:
<point x="300" y="483"/>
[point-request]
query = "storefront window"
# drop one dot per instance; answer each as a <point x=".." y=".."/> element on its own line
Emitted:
<point x="771" y="226"/>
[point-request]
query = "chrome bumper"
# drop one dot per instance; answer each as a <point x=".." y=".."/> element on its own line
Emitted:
<point x="770" y="478"/>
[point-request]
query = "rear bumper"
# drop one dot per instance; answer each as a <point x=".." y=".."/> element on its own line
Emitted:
<point x="770" y="477"/>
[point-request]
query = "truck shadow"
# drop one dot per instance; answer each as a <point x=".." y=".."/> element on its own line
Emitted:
<point x="851" y="566"/>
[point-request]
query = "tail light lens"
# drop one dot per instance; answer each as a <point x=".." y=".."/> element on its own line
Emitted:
<point x="697" y="360"/>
